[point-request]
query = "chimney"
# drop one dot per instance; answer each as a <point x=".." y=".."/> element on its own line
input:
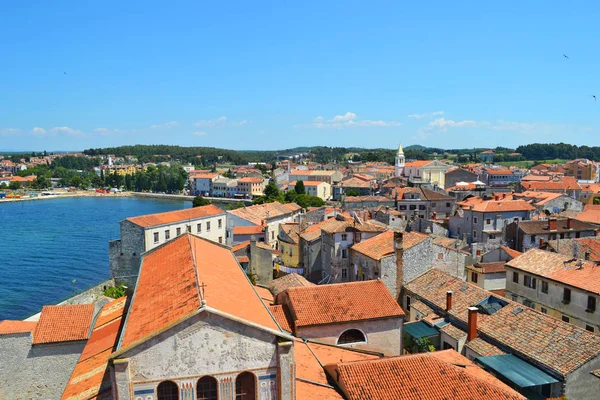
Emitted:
<point x="449" y="300"/>
<point x="569" y="223"/>
<point x="433" y="217"/>
<point x="552" y="224"/>
<point x="399" y="250"/>
<point x="541" y="243"/>
<point x="472" y="324"/>
<point x="587" y="255"/>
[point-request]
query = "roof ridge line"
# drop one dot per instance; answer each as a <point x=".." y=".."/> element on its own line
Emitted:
<point x="195" y="268"/>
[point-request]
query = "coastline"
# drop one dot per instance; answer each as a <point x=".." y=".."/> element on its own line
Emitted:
<point x="61" y="195"/>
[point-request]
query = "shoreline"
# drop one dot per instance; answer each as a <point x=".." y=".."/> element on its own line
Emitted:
<point x="62" y="195"/>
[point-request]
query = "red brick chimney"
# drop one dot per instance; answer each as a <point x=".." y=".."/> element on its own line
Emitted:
<point x="399" y="250"/>
<point x="449" y="300"/>
<point x="433" y="216"/>
<point x="472" y="324"/>
<point x="552" y="224"/>
<point x="569" y="223"/>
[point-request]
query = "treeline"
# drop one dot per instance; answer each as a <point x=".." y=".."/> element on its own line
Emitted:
<point x="549" y="151"/>
<point x="156" y="179"/>
<point x="201" y="156"/>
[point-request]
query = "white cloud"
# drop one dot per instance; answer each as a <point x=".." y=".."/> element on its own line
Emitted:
<point x="67" y="130"/>
<point x="443" y="124"/>
<point x="166" y="125"/>
<point x="348" y="120"/>
<point x="426" y="115"/>
<point x="200" y="134"/>
<point x="219" y="122"/>
<point x="9" y="131"/>
<point x="38" y="131"/>
<point x="349" y="116"/>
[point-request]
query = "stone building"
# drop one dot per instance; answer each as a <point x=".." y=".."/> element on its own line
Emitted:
<point x="526" y="235"/>
<point x="536" y="354"/>
<point x="310" y="253"/>
<point x="424" y="203"/>
<point x="268" y="216"/>
<point x="197" y="338"/>
<point x="456" y="175"/>
<point x="560" y="286"/>
<point x="37" y="357"/>
<point x="146" y="232"/>
<point x="337" y="237"/>
<point x="361" y="315"/>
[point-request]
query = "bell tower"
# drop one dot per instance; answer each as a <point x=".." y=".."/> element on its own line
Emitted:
<point x="399" y="162"/>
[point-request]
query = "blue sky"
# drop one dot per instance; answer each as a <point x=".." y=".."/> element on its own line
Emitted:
<point x="273" y="75"/>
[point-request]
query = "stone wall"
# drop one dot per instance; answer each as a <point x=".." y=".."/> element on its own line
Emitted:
<point x="383" y="335"/>
<point x="417" y="260"/>
<point x="311" y="259"/>
<point x="35" y="372"/>
<point x="451" y="261"/>
<point x="124" y="255"/>
<point x="261" y="263"/>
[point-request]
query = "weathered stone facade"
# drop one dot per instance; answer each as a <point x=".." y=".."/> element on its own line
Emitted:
<point x="35" y="371"/>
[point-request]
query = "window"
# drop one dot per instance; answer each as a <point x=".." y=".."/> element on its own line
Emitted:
<point x="448" y="205"/>
<point x="167" y="390"/>
<point x="566" y="296"/>
<point x="412" y="207"/>
<point x="352" y="336"/>
<point x="544" y="287"/>
<point x="291" y="251"/>
<point x="402" y="208"/>
<point x="206" y="389"/>
<point x="344" y="273"/>
<point x="474" y="234"/>
<point x="514" y="297"/>
<point x="344" y="237"/>
<point x="566" y="319"/>
<point x="407" y="303"/>
<point x="532" y="238"/>
<point x="440" y="256"/>
<point x="515" y="277"/>
<point x="447" y="346"/>
<point x="474" y="220"/>
<point x="188" y="228"/>
<point x="344" y="253"/>
<point x="208" y="226"/>
<point x="178" y="231"/>
<point x="432" y="205"/>
<point x="474" y="277"/>
<point x="528" y="303"/>
<point x="544" y="310"/>
<point x="272" y="235"/>
<point x="529" y="281"/>
<point x="589" y="328"/>
<point x="167" y="234"/>
<point x="421" y="207"/>
<point x="220" y="239"/>
<point x="245" y="386"/>
<point x="591" y="304"/>
<point x="488" y="221"/>
<point x="156" y="237"/>
<point x="220" y="223"/>
<point x="199" y="228"/>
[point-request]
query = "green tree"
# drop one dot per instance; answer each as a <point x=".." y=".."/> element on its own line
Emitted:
<point x="41" y="182"/>
<point x="14" y="185"/>
<point x="272" y="193"/>
<point x="200" y="201"/>
<point x="299" y="188"/>
<point x="352" y="192"/>
<point x="596" y="200"/>
<point x="3" y="185"/>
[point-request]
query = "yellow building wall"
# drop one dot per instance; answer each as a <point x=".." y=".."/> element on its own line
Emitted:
<point x="289" y="261"/>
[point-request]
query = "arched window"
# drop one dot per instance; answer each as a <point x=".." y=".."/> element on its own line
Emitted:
<point x="245" y="386"/>
<point x="167" y="390"/>
<point x="352" y="336"/>
<point x="206" y="389"/>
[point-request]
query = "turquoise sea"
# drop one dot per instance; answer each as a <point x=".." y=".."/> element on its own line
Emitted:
<point x="52" y="249"/>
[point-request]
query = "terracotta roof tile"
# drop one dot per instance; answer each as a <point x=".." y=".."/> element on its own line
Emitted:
<point x="261" y="212"/>
<point x="540" y="227"/>
<point x="382" y="245"/>
<point x="341" y="302"/>
<point x="90" y="377"/>
<point x="503" y="206"/>
<point x="292" y="230"/>
<point x="147" y="221"/>
<point x="8" y="327"/>
<point x="308" y="391"/>
<point x="453" y="332"/>
<point x="511" y="252"/>
<point x="590" y="215"/>
<point x="240" y="246"/>
<point x="311" y="233"/>
<point x="555" y="344"/>
<point x="248" y="230"/>
<point x="581" y="274"/>
<point x="483" y="348"/>
<point x="489" y="267"/>
<point x="346" y="223"/>
<point x="418" y="163"/>
<point x="168" y="287"/>
<point x="63" y="323"/>
<point x="281" y="317"/>
<point x="416" y="377"/>
<point x="279" y="285"/>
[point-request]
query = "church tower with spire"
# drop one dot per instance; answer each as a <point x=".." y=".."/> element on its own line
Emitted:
<point x="399" y="162"/>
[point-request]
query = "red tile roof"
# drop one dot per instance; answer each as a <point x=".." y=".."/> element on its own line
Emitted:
<point x="240" y="246"/>
<point x="265" y="294"/>
<point x="591" y="216"/>
<point x="307" y="183"/>
<point x="311" y="233"/>
<point x="8" y="327"/>
<point x="503" y="206"/>
<point x="63" y="323"/>
<point x="418" y="163"/>
<point x="90" y="377"/>
<point x="176" y="272"/>
<point x="511" y="252"/>
<point x="248" y="230"/>
<point x="382" y="245"/>
<point x="250" y="180"/>
<point x="341" y="302"/>
<point x="581" y="274"/>
<point x="279" y="314"/>
<point x="264" y="212"/>
<point x="170" y="217"/>
<point x="483" y="348"/>
<point x="279" y="285"/>
<point x="424" y="376"/>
